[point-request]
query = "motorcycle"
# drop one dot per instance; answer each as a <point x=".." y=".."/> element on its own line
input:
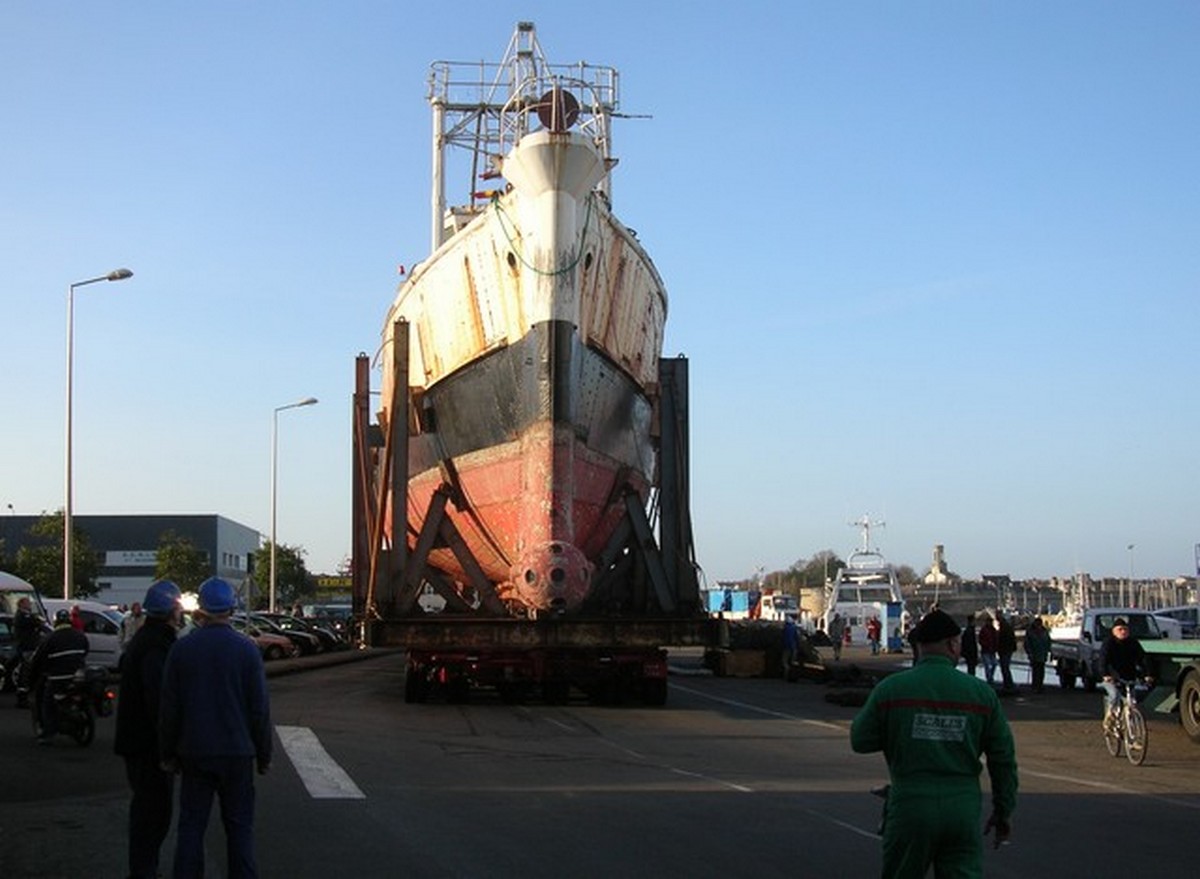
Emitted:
<point x="86" y="697"/>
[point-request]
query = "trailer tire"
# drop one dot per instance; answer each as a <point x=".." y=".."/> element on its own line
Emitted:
<point x="416" y="689"/>
<point x="1087" y="681"/>
<point x="1066" y="680"/>
<point x="1189" y="706"/>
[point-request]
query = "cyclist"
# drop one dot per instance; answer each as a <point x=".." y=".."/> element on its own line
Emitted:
<point x="1121" y="658"/>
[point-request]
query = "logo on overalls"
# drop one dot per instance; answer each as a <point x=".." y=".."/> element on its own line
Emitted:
<point x="939" y="727"/>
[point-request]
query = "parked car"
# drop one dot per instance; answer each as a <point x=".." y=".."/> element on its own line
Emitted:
<point x="101" y="624"/>
<point x="271" y="645"/>
<point x="329" y="640"/>
<point x="306" y="642"/>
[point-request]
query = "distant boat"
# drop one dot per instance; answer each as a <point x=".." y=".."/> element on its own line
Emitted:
<point x="867" y="586"/>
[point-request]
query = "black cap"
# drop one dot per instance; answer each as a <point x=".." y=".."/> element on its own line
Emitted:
<point x="937" y="625"/>
<point x="1121" y="621"/>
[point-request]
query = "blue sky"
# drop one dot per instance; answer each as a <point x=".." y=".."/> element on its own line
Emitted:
<point x="932" y="262"/>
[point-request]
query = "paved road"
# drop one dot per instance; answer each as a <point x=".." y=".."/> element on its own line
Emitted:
<point x="734" y="777"/>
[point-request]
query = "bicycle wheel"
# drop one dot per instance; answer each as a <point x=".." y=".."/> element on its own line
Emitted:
<point x="1113" y="734"/>
<point x="1137" y="737"/>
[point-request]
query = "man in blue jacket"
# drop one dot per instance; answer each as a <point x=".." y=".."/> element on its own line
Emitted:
<point x="214" y="728"/>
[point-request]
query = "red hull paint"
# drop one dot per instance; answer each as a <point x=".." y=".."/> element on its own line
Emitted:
<point x="538" y="513"/>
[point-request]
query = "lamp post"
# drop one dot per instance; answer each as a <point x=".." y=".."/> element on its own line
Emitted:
<point x="307" y="401"/>
<point x="114" y="275"/>
<point x="1132" y="595"/>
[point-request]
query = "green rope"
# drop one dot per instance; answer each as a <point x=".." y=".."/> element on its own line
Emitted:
<point x="503" y="216"/>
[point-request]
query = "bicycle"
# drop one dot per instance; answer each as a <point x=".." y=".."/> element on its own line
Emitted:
<point x="1125" y="726"/>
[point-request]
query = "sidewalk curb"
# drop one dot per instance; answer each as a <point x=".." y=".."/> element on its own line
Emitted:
<point x="281" y="667"/>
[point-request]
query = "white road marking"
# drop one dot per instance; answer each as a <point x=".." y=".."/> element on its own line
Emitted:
<point x="324" y="778"/>
<point x="767" y="711"/>
<point x="1115" y="788"/>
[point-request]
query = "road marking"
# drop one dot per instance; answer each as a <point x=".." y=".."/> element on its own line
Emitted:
<point x="1115" y="788"/>
<point x="767" y="711"/>
<point x="676" y="770"/>
<point x="324" y="778"/>
<point x="845" y="826"/>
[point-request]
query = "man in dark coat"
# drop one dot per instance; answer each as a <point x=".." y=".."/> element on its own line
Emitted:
<point x="28" y="629"/>
<point x="53" y="668"/>
<point x="970" y="646"/>
<point x="137" y="727"/>
<point x="1006" y="646"/>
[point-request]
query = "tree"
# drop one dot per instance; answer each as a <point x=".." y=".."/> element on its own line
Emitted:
<point x="292" y="579"/>
<point x="41" y="563"/>
<point x="813" y="572"/>
<point x="181" y="562"/>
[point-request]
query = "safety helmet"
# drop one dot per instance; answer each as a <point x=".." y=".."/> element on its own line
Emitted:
<point x="216" y="596"/>
<point x="161" y="598"/>
<point x="62" y="617"/>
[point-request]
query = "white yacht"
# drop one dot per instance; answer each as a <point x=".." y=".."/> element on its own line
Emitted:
<point x="867" y="587"/>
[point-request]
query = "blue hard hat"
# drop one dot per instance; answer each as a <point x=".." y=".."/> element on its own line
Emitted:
<point x="62" y="617"/>
<point x="161" y="598"/>
<point x="216" y="596"/>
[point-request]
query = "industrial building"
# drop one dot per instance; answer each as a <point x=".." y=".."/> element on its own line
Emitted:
<point x="126" y="547"/>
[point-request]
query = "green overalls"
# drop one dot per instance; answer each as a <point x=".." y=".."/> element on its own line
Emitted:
<point x="933" y="723"/>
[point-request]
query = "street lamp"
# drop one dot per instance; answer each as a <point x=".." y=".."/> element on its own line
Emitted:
<point x="307" y="401"/>
<point x="1132" y="595"/>
<point x="114" y="275"/>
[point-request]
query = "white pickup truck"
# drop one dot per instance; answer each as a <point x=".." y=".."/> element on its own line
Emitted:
<point x="1075" y="648"/>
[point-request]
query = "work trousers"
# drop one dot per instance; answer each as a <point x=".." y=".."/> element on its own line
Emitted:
<point x="231" y="781"/>
<point x="939" y="827"/>
<point x="149" y="812"/>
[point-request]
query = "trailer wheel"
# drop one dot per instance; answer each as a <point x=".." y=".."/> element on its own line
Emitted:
<point x="1066" y="680"/>
<point x="416" y="688"/>
<point x="1087" y="681"/>
<point x="1189" y="706"/>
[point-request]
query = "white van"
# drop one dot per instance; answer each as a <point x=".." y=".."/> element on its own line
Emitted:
<point x="101" y="624"/>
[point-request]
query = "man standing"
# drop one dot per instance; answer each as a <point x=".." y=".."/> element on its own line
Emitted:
<point x="933" y="725"/>
<point x="1006" y="646"/>
<point x="137" y="727"/>
<point x="837" y="632"/>
<point x="130" y="625"/>
<point x="987" y="648"/>
<point x="970" y="646"/>
<point x="27" y="632"/>
<point x="1037" y="648"/>
<point x="214" y="727"/>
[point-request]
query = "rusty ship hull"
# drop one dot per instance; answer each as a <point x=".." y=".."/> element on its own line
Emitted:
<point x="536" y="331"/>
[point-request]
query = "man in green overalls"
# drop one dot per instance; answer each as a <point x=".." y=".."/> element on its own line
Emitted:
<point x="933" y="723"/>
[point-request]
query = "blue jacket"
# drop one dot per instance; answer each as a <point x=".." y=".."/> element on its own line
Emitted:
<point x="214" y="698"/>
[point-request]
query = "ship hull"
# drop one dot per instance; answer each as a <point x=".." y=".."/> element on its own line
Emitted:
<point x="538" y="329"/>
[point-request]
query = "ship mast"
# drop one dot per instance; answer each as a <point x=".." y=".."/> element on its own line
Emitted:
<point x="865" y="525"/>
<point x="483" y="109"/>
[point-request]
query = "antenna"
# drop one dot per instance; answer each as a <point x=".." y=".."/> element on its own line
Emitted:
<point x="865" y="525"/>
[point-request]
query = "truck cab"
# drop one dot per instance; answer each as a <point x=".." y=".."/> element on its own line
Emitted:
<point x="1075" y="647"/>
